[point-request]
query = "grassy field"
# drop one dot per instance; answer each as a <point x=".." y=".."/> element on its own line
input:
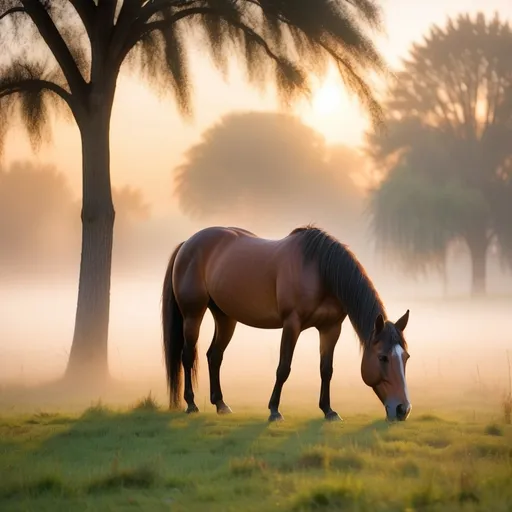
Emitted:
<point x="144" y="458"/>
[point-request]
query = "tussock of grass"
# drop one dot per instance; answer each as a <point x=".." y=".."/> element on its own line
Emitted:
<point x="337" y="496"/>
<point x="493" y="430"/>
<point x="44" y="485"/>
<point x="148" y="403"/>
<point x="319" y="457"/>
<point x="247" y="466"/>
<point x="437" y="442"/>
<point x="142" y="477"/>
<point x="408" y="468"/>
<point x="426" y="496"/>
<point x="314" y="458"/>
<point x="467" y="488"/>
<point x="428" y="418"/>
<point x="179" y="483"/>
<point x="492" y="449"/>
<point x="96" y="410"/>
<point x="41" y="417"/>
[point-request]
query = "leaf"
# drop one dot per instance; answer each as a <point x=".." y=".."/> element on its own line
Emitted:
<point x="279" y="43"/>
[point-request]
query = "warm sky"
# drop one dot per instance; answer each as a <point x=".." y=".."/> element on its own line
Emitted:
<point x="148" y="138"/>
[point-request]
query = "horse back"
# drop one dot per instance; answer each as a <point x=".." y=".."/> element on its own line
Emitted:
<point x="257" y="281"/>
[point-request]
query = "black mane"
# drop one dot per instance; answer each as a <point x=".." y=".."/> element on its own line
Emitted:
<point x="345" y="277"/>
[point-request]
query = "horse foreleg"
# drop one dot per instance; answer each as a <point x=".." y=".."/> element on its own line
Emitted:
<point x="291" y="331"/>
<point x="224" y="330"/>
<point x="328" y="339"/>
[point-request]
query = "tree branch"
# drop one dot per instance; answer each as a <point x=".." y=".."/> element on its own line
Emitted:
<point x="364" y="93"/>
<point x="13" y="10"/>
<point x="56" y="44"/>
<point x="86" y="9"/>
<point x="155" y="6"/>
<point x="197" y="11"/>
<point x="106" y="13"/>
<point x="37" y="85"/>
<point x="128" y="15"/>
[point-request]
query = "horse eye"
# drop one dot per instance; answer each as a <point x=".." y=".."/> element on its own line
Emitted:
<point x="383" y="359"/>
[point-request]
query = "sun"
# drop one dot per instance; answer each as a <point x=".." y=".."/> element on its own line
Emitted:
<point x="326" y="99"/>
<point x="333" y="114"/>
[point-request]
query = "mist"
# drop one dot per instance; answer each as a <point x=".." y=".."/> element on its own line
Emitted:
<point x="458" y="346"/>
<point x="268" y="173"/>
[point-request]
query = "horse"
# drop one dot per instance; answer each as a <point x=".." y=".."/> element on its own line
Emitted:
<point x="307" y="279"/>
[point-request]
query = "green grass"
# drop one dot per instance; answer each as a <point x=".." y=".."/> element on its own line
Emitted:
<point x="150" y="459"/>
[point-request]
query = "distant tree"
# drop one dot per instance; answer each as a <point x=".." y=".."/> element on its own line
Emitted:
<point x="39" y="218"/>
<point x="448" y="150"/>
<point x="131" y="208"/>
<point x="37" y="212"/>
<point x="85" y="43"/>
<point x="266" y="167"/>
<point x="132" y="216"/>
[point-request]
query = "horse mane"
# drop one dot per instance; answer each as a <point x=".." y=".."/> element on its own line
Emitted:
<point x="345" y="277"/>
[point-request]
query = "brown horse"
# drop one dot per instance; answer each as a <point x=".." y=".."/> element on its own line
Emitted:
<point x="307" y="279"/>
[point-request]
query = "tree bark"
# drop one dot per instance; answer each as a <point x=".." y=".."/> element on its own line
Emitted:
<point x="88" y="359"/>
<point x="478" y="245"/>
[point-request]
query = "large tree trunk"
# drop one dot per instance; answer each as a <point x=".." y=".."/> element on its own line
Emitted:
<point x="478" y="244"/>
<point x="88" y="360"/>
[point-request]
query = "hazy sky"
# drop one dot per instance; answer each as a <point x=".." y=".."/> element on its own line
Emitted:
<point x="148" y="138"/>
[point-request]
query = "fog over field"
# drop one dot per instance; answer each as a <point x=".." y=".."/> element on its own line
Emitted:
<point x="458" y="346"/>
<point x="441" y="201"/>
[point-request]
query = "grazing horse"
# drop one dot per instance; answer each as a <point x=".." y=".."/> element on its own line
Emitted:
<point x="307" y="279"/>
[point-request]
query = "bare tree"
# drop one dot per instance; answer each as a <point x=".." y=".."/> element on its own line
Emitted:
<point x="84" y="45"/>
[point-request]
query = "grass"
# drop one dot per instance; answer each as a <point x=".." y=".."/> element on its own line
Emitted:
<point x="151" y="459"/>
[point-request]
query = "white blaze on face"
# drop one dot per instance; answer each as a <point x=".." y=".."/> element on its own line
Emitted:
<point x="398" y="352"/>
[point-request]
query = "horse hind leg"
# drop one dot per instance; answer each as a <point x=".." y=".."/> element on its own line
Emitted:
<point x="224" y="330"/>
<point x="191" y="326"/>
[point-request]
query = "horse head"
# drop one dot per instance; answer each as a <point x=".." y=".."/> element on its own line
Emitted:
<point x="383" y="366"/>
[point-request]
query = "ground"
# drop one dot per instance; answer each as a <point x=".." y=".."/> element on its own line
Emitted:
<point x="148" y="458"/>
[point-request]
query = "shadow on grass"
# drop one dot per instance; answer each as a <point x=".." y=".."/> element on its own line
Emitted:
<point x="103" y="450"/>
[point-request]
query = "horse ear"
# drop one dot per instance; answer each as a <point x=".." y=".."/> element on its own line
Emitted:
<point x="401" y="323"/>
<point x="379" y="324"/>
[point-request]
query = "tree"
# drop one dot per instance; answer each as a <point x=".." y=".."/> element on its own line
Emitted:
<point x="265" y="167"/>
<point x="85" y="44"/>
<point x="39" y="219"/>
<point x="37" y="212"/>
<point x="448" y="150"/>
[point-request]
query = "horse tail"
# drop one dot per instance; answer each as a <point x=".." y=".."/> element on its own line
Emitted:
<point x="173" y="339"/>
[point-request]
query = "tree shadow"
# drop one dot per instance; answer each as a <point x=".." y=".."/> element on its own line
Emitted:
<point x="367" y="435"/>
<point x="101" y="441"/>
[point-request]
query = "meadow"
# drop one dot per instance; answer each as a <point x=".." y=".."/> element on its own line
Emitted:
<point x="145" y="457"/>
<point x="60" y="451"/>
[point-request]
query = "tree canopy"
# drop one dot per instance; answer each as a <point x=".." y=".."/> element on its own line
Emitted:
<point x="268" y="168"/>
<point x="40" y="219"/>
<point x="278" y="42"/>
<point x="447" y="152"/>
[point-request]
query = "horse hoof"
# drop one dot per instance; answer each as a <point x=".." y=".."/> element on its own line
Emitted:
<point x="275" y="416"/>
<point x="333" y="416"/>
<point x="191" y="409"/>
<point x="224" y="409"/>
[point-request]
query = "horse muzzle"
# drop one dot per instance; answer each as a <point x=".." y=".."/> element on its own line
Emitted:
<point x="397" y="411"/>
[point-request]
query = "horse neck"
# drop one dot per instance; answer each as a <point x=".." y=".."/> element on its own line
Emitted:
<point x="363" y="306"/>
